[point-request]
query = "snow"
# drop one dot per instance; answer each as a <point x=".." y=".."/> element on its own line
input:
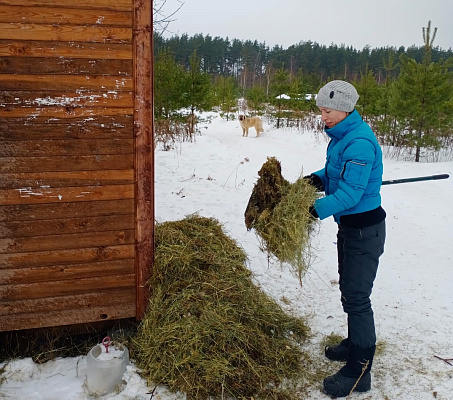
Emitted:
<point x="412" y="296"/>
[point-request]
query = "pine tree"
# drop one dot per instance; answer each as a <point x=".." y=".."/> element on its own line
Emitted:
<point x="422" y="98"/>
<point x="297" y="102"/>
<point x="280" y="87"/>
<point x="226" y="93"/>
<point x="256" y="96"/>
<point x="198" y="90"/>
<point x="168" y="83"/>
<point x="385" y="124"/>
<point x="368" y="91"/>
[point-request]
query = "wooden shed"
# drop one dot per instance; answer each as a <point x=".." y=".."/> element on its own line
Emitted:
<point x="76" y="161"/>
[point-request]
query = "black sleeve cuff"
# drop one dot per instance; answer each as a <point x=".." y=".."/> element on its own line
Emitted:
<point x="315" y="181"/>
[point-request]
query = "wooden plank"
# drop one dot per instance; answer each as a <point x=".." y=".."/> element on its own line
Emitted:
<point x="99" y="83"/>
<point x="78" y="98"/>
<point x="43" y="15"/>
<point x="119" y="5"/>
<point x="32" y="212"/>
<point x="64" y="33"/>
<point x="67" y="163"/>
<point x="63" y="179"/>
<point x="69" y="316"/>
<point x="107" y="51"/>
<point x="64" y="66"/>
<point x="68" y="256"/>
<point x="65" y="288"/>
<point x="65" y="241"/>
<point x="61" y="303"/>
<point x="65" y="272"/>
<point x="62" y="112"/>
<point x="39" y="128"/>
<point x="26" y="195"/>
<point x="70" y="147"/>
<point x="81" y="225"/>
<point x="144" y="149"/>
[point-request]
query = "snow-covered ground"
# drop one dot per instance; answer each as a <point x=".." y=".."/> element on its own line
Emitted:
<point x="413" y="293"/>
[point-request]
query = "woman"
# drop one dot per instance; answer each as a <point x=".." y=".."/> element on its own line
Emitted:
<point x="351" y="179"/>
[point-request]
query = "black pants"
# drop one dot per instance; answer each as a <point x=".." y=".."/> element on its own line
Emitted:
<point x="359" y="250"/>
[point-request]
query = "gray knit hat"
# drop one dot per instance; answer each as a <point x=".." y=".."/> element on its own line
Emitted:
<point x="337" y="95"/>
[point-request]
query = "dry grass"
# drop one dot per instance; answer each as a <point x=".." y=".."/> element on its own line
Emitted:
<point x="46" y="344"/>
<point x="331" y="340"/>
<point x="279" y="213"/>
<point x="209" y="331"/>
<point x="2" y="376"/>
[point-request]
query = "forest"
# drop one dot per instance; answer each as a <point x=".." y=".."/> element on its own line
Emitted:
<point x="248" y="61"/>
<point x="406" y="94"/>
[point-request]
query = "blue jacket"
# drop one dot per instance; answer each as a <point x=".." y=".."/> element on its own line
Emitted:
<point x="352" y="175"/>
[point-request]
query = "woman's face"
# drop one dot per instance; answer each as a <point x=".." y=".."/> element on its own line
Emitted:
<point x="332" y="117"/>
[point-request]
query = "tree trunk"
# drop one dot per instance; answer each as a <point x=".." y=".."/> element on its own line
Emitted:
<point x="417" y="147"/>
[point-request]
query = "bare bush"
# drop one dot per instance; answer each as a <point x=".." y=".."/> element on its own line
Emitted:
<point x="168" y="132"/>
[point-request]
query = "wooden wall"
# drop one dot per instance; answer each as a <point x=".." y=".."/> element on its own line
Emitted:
<point x="76" y="155"/>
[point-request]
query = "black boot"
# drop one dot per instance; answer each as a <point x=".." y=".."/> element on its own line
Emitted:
<point x="347" y="378"/>
<point x="338" y="352"/>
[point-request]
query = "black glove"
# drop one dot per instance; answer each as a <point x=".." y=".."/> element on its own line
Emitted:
<point x="313" y="212"/>
<point x="315" y="181"/>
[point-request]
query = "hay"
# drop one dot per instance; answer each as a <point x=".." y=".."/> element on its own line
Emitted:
<point x="209" y="331"/>
<point x="279" y="213"/>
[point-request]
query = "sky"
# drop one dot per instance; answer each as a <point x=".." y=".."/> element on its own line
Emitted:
<point x="356" y="23"/>
<point x="412" y="296"/>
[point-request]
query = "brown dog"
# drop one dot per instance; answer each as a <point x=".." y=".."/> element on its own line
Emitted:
<point x="249" y="122"/>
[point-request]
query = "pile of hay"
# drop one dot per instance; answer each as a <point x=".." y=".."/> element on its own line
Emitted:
<point x="209" y="331"/>
<point x="279" y="213"/>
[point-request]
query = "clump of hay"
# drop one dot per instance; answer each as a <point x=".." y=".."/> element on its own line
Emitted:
<point x="208" y="330"/>
<point x="267" y="191"/>
<point x="279" y="213"/>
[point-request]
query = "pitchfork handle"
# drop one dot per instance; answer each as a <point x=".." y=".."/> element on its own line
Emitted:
<point x="417" y="179"/>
